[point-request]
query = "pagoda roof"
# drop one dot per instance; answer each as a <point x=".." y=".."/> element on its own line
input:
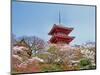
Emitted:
<point x="56" y="38"/>
<point x="67" y="30"/>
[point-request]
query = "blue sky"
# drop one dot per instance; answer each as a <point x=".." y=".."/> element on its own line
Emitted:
<point x="37" y="19"/>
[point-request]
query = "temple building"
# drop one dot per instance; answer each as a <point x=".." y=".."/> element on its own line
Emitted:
<point x="60" y="34"/>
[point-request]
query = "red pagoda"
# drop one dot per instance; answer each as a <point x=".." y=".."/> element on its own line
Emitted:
<point x="60" y="34"/>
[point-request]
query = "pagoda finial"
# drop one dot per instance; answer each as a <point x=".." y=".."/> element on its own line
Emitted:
<point x="59" y="18"/>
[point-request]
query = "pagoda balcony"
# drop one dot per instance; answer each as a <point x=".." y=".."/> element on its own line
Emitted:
<point x="61" y="35"/>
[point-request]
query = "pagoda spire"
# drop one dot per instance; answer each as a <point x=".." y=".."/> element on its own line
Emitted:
<point x="59" y="18"/>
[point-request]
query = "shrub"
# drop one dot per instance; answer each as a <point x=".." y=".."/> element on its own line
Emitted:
<point x="85" y="62"/>
<point x="50" y="67"/>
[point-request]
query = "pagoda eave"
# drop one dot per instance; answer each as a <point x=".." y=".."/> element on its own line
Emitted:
<point x="56" y="39"/>
<point x="57" y="28"/>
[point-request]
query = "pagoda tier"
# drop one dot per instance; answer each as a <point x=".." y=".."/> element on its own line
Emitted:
<point x="61" y="39"/>
<point x="60" y="34"/>
<point x="59" y="28"/>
